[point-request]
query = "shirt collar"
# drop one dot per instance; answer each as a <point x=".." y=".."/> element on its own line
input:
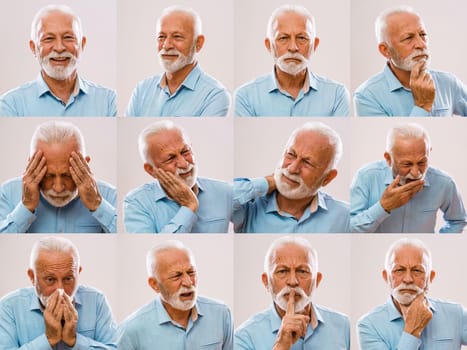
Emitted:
<point x="394" y="314"/>
<point x="163" y="316"/>
<point x="43" y="88"/>
<point x="189" y="82"/>
<point x="393" y="83"/>
<point x="317" y="202"/>
<point x="310" y="82"/>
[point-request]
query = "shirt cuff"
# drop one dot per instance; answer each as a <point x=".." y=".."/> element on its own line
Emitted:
<point x="185" y="219"/>
<point x="409" y="342"/>
<point x="105" y="214"/>
<point x="22" y="217"/>
<point x="378" y="213"/>
<point x="260" y="186"/>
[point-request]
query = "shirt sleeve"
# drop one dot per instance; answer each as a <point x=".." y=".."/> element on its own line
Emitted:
<point x="242" y="105"/>
<point x="366" y="105"/>
<point x="131" y="110"/>
<point x="107" y="216"/>
<point x="228" y="331"/>
<point x="453" y="211"/>
<point x="242" y="341"/>
<point x="460" y="103"/>
<point x="217" y="104"/>
<point x="342" y="105"/>
<point x="244" y="191"/>
<point x="14" y="217"/>
<point x="113" y="105"/>
<point x="6" y="109"/>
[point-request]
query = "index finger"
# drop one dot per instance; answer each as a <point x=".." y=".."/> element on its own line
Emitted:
<point x="291" y="303"/>
<point x="417" y="69"/>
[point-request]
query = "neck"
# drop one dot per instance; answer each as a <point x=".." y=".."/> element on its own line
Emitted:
<point x="61" y="88"/>
<point x="402" y="75"/>
<point x="179" y="316"/>
<point x="175" y="79"/>
<point x="294" y="207"/>
<point x="291" y="83"/>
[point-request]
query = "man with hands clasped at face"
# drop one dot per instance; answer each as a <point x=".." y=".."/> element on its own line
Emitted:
<point x="57" y="313"/>
<point x="410" y="319"/>
<point x="58" y="191"/>
<point x="178" y="201"/>
<point x="293" y="321"/>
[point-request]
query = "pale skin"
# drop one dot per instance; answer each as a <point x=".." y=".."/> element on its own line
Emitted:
<point x="176" y="31"/>
<point x="57" y="33"/>
<point x="406" y="33"/>
<point x="291" y="268"/>
<point x="291" y="35"/>
<point x="408" y="267"/>
<point x="175" y="269"/>
<point x="169" y="151"/>
<point x="59" y="167"/>
<point x="408" y="156"/>
<point x="56" y="270"/>
<point x="308" y="156"/>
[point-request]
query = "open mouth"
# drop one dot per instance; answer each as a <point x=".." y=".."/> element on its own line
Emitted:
<point x="188" y="295"/>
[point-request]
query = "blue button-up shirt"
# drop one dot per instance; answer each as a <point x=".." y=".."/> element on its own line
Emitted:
<point x="383" y="328"/>
<point x="260" y="332"/>
<point x="35" y="99"/>
<point x="72" y="218"/>
<point x="22" y="323"/>
<point x="384" y="95"/>
<point x="254" y="211"/>
<point x="209" y="327"/>
<point x="198" y="95"/>
<point x="320" y="97"/>
<point x="418" y="215"/>
<point x="149" y="209"/>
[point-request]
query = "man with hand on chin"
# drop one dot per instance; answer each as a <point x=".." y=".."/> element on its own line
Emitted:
<point x="293" y="321"/>
<point x="57" y="313"/>
<point x="403" y="193"/>
<point x="178" y="201"/>
<point x="406" y="87"/>
<point x="291" y="199"/>
<point x="410" y="319"/>
<point x="178" y="318"/>
<point x="57" y="41"/>
<point x="57" y="192"/>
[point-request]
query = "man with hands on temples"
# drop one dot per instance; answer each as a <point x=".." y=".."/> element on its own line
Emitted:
<point x="57" y="192"/>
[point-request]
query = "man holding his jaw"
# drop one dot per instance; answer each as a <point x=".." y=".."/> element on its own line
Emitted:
<point x="403" y="193"/>
<point x="293" y="321"/>
<point x="57" y="313"/>
<point x="410" y="319"/>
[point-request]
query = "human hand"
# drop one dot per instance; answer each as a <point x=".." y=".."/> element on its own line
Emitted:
<point x="422" y="86"/>
<point x="271" y="183"/>
<point x="32" y="177"/>
<point x="293" y="326"/>
<point x="395" y="195"/>
<point x="416" y="315"/>
<point x="70" y="317"/>
<point x="53" y="315"/>
<point x="176" y="189"/>
<point x="85" y="182"/>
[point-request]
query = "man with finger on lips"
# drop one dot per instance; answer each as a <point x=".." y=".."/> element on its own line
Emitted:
<point x="293" y="321"/>
<point x="403" y="192"/>
<point x="178" y="318"/>
<point x="57" y="312"/>
<point x="410" y="319"/>
<point x="178" y="201"/>
<point x="292" y="199"/>
<point x="57" y="192"/>
<point x="406" y="87"/>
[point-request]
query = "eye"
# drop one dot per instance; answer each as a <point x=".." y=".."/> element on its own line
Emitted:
<point x="301" y="39"/>
<point x="282" y="38"/>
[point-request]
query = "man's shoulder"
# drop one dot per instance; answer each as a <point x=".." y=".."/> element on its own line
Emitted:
<point x="321" y="80"/>
<point x="438" y="175"/>
<point x="140" y="316"/>
<point x="18" y="296"/>
<point x="257" y="320"/>
<point x="214" y="183"/>
<point x="13" y="183"/>
<point x="23" y="89"/>
<point x="210" y="303"/>
<point x="106" y="186"/>
<point x="145" y="189"/>
<point x="445" y="305"/>
<point x="256" y="83"/>
<point x="149" y="82"/>
<point x="328" y="313"/>
<point x="336" y="204"/>
<point x="209" y="80"/>
<point x="378" y="312"/>
<point x="372" y="82"/>
<point x="87" y="291"/>
<point x="95" y="88"/>
<point x="376" y="167"/>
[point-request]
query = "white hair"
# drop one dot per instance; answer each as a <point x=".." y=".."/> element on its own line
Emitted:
<point x="154" y="129"/>
<point x="53" y="244"/>
<point x="197" y="24"/>
<point x="55" y="131"/>
<point x="272" y="23"/>
<point x="409" y="130"/>
<point x="408" y="242"/>
<point x="381" y="24"/>
<point x="290" y="240"/>
<point x="333" y="138"/>
<point x="37" y="21"/>
<point x="152" y="255"/>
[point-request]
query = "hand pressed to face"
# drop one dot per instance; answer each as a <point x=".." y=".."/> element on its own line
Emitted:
<point x="422" y="86"/>
<point x="84" y="179"/>
<point x="32" y="177"/>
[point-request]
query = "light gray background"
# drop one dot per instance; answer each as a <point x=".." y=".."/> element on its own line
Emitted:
<point x="98" y="61"/>
<point x="444" y="25"/>
<point x="137" y="46"/>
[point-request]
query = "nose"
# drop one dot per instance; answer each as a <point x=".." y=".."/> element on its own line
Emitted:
<point x="420" y="42"/>
<point x="292" y="46"/>
<point x="187" y="281"/>
<point x="408" y="278"/>
<point x="292" y="281"/>
<point x="415" y="171"/>
<point x="58" y="45"/>
<point x="167" y="43"/>
<point x="294" y="166"/>
<point x="58" y="185"/>
<point x="182" y="162"/>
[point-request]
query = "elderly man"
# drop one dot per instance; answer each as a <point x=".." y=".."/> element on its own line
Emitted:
<point x="57" y="41"/>
<point x="403" y="193"/>
<point x="57" y="192"/>
<point x="291" y="199"/>
<point x="183" y="89"/>
<point x="406" y="87"/>
<point x="291" y="89"/>
<point x="178" y="201"/>
<point x="293" y="321"/>
<point x="410" y="319"/>
<point x="178" y="318"/>
<point x="57" y="313"/>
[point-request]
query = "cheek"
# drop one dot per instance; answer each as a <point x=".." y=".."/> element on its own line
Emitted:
<point x="69" y="184"/>
<point x="46" y="184"/>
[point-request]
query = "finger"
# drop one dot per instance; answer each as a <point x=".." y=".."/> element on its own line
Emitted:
<point x="291" y="303"/>
<point x="39" y="173"/>
<point x="81" y="161"/>
<point x="396" y="182"/>
<point x="416" y="70"/>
